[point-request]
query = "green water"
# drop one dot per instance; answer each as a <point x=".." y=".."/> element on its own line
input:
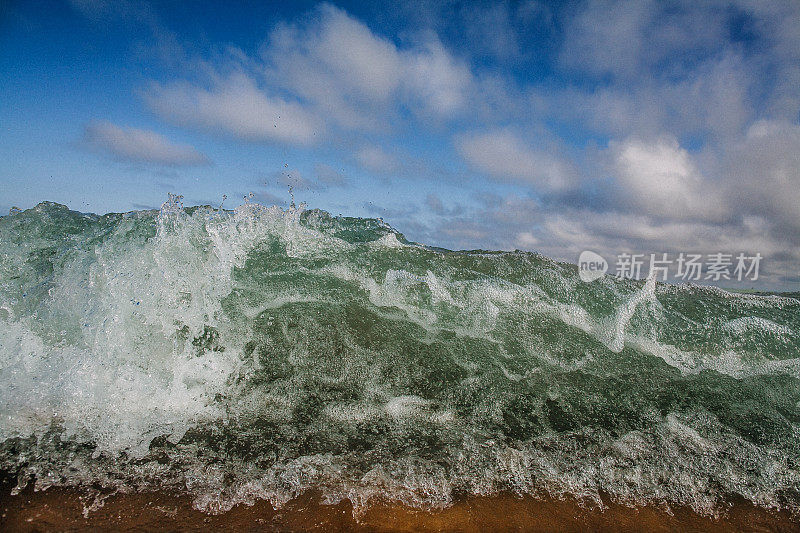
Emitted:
<point x="258" y="353"/>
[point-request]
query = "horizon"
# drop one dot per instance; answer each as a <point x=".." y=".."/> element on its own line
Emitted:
<point x="555" y="128"/>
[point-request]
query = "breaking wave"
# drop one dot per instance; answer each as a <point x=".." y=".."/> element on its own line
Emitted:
<point x="259" y="353"/>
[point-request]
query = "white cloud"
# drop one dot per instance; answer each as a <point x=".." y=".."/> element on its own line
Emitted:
<point x="338" y="64"/>
<point x="344" y="49"/>
<point x="606" y="37"/>
<point x="436" y="79"/>
<point x="659" y="178"/>
<point x="377" y="160"/>
<point x="713" y="100"/>
<point x="563" y="233"/>
<point x="686" y="68"/>
<point x="624" y="38"/>
<point x="764" y="173"/>
<point x="612" y="233"/>
<point x="329" y="72"/>
<point x="506" y="157"/>
<point x="140" y="146"/>
<point x="526" y="240"/>
<point x="235" y="106"/>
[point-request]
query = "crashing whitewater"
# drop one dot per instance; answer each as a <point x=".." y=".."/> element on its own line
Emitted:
<point x="259" y="353"/>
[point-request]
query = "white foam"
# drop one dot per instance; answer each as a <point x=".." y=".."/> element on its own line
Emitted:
<point x="107" y="354"/>
<point x="612" y="331"/>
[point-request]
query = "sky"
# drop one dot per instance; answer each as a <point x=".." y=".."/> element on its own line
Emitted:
<point x="617" y="127"/>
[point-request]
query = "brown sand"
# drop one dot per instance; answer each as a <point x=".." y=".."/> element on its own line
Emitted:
<point x="62" y="510"/>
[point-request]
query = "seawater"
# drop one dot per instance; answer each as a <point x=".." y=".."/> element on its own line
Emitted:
<point x="258" y="353"/>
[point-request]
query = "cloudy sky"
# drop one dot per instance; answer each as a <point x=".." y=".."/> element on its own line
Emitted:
<point x="619" y="127"/>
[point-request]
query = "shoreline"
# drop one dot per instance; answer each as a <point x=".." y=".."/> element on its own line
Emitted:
<point x="61" y="509"/>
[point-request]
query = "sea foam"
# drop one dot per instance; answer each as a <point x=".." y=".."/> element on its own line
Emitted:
<point x="258" y="353"/>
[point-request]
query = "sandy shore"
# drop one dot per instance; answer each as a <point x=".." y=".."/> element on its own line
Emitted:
<point x="62" y="510"/>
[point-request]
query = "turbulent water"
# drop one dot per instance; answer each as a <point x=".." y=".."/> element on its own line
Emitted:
<point x="259" y="353"/>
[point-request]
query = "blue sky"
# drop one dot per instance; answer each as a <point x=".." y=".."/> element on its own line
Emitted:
<point x="650" y="127"/>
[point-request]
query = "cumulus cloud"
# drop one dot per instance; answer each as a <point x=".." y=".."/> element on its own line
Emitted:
<point x="712" y="99"/>
<point x="377" y="160"/>
<point x="436" y="79"/>
<point x="659" y="178"/>
<point x="764" y="170"/>
<point x="506" y="157"/>
<point x="623" y="39"/>
<point x="330" y="72"/>
<point x="235" y="106"/>
<point x="140" y="146"/>
<point x="336" y="62"/>
<point x="341" y="49"/>
<point x="682" y="68"/>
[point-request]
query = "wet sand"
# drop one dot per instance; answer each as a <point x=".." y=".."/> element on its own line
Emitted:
<point x="62" y="510"/>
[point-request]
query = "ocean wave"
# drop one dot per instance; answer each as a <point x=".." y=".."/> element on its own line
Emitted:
<point x="258" y="353"/>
